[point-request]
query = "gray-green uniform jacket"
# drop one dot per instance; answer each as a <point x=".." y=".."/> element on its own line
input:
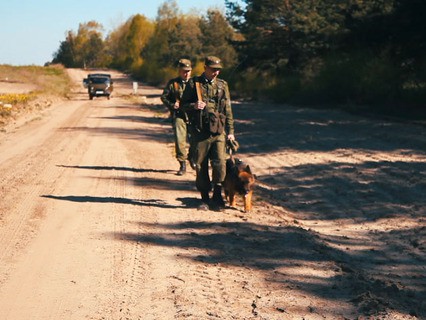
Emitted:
<point x="217" y="97"/>
<point x="207" y="146"/>
<point x="173" y="92"/>
<point x="170" y="95"/>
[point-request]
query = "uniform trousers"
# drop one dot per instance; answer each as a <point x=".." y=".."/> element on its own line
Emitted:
<point x="209" y="147"/>
<point x="181" y="133"/>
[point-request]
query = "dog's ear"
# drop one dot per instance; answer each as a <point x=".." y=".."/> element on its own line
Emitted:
<point x="247" y="169"/>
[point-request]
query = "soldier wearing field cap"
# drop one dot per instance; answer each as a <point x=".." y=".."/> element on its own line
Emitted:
<point x="207" y="100"/>
<point x="171" y="98"/>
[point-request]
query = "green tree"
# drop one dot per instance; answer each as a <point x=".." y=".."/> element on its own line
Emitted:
<point x="217" y="36"/>
<point x="84" y="49"/>
<point x="395" y="28"/>
<point x="88" y="45"/>
<point x="175" y="36"/>
<point x="265" y="28"/>
<point x="185" y="39"/>
<point x="65" y="55"/>
<point x="159" y="50"/>
<point x="287" y="32"/>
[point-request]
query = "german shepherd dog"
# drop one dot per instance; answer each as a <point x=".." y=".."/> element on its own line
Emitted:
<point x="239" y="180"/>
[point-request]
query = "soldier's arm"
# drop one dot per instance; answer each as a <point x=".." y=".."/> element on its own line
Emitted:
<point x="229" y="124"/>
<point x="167" y="97"/>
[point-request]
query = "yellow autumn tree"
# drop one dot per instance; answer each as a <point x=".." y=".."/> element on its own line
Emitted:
<point x="125" y="44"/>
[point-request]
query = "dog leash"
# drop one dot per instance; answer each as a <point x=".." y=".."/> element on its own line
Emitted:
<point x="231" y="154"/>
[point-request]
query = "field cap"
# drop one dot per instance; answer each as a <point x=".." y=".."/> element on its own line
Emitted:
<point x="213" y="62"/>
<point x="185" y="64"/>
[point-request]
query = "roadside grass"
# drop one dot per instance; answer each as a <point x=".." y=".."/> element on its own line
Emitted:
<point x="51" y="81"/>
<point x="10" y="101"/>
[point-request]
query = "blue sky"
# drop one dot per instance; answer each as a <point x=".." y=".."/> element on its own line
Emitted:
<point x="31" y="31"/>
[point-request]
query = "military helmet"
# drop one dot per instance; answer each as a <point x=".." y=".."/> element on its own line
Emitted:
<point x="185" y="64"/>
<point x="213" y="62"/>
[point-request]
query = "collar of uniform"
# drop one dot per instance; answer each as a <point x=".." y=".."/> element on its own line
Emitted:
<point x="205" y="80"/>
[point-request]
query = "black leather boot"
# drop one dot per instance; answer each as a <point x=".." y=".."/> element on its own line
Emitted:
<point x="217" y="201"/>
<point x="182" y="169"/>
<point x="192" y="164"/>
<point x="205" y="201"/>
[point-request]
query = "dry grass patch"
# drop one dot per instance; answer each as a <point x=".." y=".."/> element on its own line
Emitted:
<point x="25" y="88"/>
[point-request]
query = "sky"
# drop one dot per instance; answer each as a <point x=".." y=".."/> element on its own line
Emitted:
<point x="31" y="30"/>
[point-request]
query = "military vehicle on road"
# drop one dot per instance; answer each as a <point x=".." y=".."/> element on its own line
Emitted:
<point x="98" y="84"/>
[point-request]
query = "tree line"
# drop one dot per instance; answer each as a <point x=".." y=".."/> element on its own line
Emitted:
<point x="149" y="49"/>
<point x="340" y="52"/>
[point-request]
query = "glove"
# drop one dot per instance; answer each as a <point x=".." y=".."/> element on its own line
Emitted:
<point x="233" y="145"/>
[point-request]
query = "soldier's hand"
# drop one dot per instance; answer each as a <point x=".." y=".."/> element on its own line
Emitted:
<point x="231" y="137"/>
<point x="200" y="105"/>
<point x="177" y="105"/>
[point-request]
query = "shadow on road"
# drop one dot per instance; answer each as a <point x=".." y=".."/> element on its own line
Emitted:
<point x="367" y="191"/>
<point x="91" y="199"/>
<point x="280" y="252"/>
<point x="139" y="170"/>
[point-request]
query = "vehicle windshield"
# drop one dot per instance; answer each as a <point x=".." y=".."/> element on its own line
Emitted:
<point x="99" y="80"/>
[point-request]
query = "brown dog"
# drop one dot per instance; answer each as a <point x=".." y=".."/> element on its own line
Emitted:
<point x="239" y="180"/>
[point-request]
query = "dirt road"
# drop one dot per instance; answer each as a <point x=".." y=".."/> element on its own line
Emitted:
<point x="95" y="224"/>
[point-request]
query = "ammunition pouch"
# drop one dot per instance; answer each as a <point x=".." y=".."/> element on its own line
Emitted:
<point x="216" y="122"/>
<point x="181" y="114"/>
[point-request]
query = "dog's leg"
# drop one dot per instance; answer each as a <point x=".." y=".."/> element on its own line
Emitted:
<point x="247" y="201"/>
<point x="226" y="193"/>
<point x="232" y="198"/>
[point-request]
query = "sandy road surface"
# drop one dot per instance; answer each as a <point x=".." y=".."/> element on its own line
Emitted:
<point x="94" y="223"/>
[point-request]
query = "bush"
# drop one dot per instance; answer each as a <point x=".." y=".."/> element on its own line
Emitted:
<point x="152" y="74"/>
<point x="286" y="89"/>
<point x="356" y="78"/>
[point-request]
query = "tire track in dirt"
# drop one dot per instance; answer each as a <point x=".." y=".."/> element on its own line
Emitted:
<point x="49" y="175"/>
<point x="134" y="277"/>
<point x="152" y="283"/>
<point x="129" y="264"/>
<point x="24" y="178"/>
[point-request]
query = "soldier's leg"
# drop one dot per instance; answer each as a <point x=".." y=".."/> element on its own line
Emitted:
<point x="202" y="180"/>
<point x="191" y="149"/>
<point x="201" y="156"/>
<point x="180" y="139"/>
<point x="218" y="160"/>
